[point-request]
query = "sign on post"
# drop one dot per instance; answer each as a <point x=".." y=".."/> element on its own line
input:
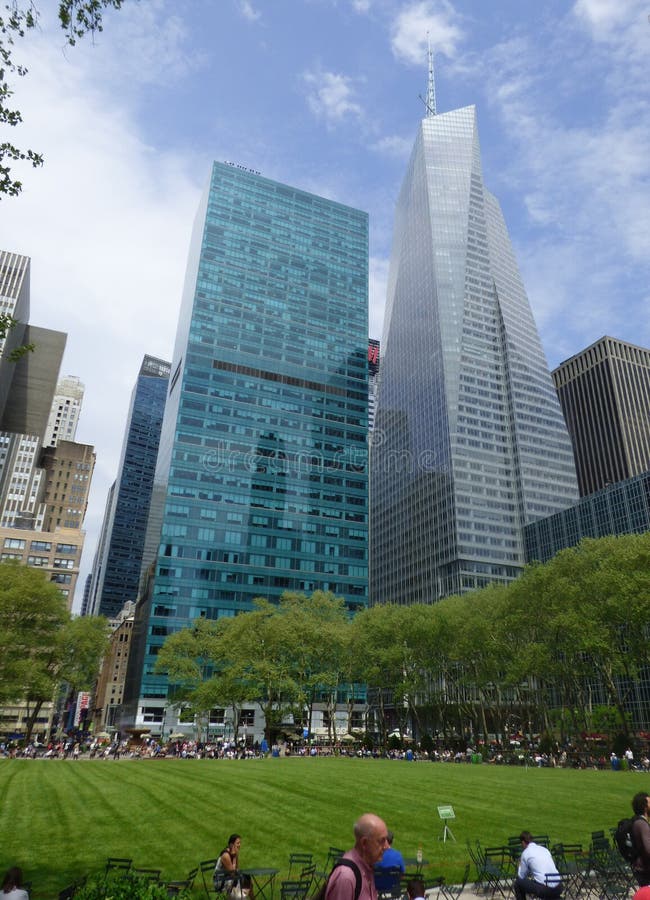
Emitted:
<point x="446" y="813"/>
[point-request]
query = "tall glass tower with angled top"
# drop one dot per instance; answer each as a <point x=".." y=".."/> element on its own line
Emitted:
<point x="469" y="442"/>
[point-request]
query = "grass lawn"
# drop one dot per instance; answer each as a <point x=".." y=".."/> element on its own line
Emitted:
<point x="60" y="819"/>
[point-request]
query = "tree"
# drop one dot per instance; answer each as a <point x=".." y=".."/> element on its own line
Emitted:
<point x="8" y="322"/>
<point x="77" y="18"/>
<point x="40" y="645"/>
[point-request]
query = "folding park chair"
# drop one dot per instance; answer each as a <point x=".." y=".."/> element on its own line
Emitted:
<point x="453" y="891"/>
<point x="300" y="860"/>
<point x="206" y="868"/>
<point x="573" y="866"/>
<point x="599" y="842"/>
<point x="476" y="856"/>
<point x="610" y="868"/>
<point x="120" y="863"/>
<point x="150" y="875"/>
<point x="175" y="887"/>
<point x="308" y="873"/>
<point x="294" y="890"/>
<point x="498" y="876"/>
<point x="68" y="892"/>
<point x="333" y="855"/>
<point x="514" y="848"/>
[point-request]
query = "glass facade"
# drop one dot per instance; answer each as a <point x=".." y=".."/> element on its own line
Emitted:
<point x="116" y="569"/>
<point x="622" y="508"/>
<point x="261" y="484"/>
<point x="469" y="441"/>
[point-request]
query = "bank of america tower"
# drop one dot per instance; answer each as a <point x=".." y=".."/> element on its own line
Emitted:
<point x="469" y="442"/>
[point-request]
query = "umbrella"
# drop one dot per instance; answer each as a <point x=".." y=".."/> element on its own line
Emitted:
<point x="177" y="736"/>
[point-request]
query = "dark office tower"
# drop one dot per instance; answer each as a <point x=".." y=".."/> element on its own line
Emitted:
<point x="469" y="442"/>
<point x="263" y="451"/>
<point x="116" y="568"/>
<point x="604" y="392"/>
<point x="373" y="375"/>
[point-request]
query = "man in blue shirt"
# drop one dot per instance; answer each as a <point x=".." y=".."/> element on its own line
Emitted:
<point x="537" y="873"/>
<point x="392" y="859"/>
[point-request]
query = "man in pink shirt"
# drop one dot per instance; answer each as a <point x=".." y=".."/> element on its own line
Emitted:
<point x="370" y="841"/>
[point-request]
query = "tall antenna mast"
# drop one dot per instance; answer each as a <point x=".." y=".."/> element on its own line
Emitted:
<point x="431" y="87"/>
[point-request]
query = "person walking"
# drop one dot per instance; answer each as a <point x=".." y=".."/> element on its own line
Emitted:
<point x="357" y="865"/>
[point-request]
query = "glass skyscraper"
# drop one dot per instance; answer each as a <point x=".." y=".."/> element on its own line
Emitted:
<point x="469" y="441"/>
<point x="117" y="563"/>
<point x="261" y="482"/>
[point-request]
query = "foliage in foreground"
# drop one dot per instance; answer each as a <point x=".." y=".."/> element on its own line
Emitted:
<point x="126" y="886"/>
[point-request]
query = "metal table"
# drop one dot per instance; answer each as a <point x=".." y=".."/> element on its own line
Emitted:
<point x="263" y="880"/>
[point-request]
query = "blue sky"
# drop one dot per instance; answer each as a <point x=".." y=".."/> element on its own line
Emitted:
<point x="322" y="94"/>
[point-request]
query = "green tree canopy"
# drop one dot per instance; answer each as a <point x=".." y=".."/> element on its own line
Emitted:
<point x="40" y="644"/>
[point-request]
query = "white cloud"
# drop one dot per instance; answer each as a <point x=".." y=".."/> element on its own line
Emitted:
<point x="437" y="18"/>
<point x="395" y="146"/>
<point x="604" y="15"/>
<point x="331" y="96"/>
<point x="157" y="43"/>
<point x="581" y="168"/>
<point x="378" y="279"/>
<point x="361" y="6"/>
<point x="249" y="12"/>
<point x="106" y="223"/>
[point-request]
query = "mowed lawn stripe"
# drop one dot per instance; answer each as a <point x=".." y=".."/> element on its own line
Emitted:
<point x="61" y="819"/>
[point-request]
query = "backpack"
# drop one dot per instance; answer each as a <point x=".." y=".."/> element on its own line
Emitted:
<point x="320" y="893"/>
<point x="624" y="839"/>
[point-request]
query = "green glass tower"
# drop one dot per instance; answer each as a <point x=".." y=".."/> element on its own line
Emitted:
<point x="261" y="481"/>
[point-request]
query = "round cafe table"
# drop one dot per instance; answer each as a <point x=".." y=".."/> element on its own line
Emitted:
<point x="263" y="880"/>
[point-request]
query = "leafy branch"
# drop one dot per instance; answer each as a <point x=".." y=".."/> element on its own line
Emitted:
<point x="77" y="18"/>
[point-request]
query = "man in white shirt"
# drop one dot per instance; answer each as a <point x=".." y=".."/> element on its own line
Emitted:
<point x="537" y="874"/>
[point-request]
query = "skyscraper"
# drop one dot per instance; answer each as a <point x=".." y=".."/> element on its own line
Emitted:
<point x="469" y="441"/>
<point x="66" y="407"/>
<point x="43" y="493"/>
<point x="373" y="375"/>
<point x="118" y="560"/>
<point x="604" y="392"/>
<point x="262" y="465"/>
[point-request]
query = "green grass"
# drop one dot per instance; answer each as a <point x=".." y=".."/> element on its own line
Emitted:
<point x="61" y="819"/>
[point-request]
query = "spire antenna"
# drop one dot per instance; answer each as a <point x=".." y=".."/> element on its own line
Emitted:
<point x="431" y="87"/>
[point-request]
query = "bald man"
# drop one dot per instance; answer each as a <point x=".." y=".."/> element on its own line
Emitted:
<point x="370" y="841"/>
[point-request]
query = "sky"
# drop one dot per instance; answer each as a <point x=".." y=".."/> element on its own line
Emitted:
<point x="323" y="95"/>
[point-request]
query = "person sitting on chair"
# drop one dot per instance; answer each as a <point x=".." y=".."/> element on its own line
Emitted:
<point x="391" y="860"/>
<point x="415" y="889"/>
<point x="226" y="876"/>
<point x="537" y="873"/>
<point x="11" y="885"/>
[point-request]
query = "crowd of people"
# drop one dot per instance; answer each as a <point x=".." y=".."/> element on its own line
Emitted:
<point x="187" y="748"/>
